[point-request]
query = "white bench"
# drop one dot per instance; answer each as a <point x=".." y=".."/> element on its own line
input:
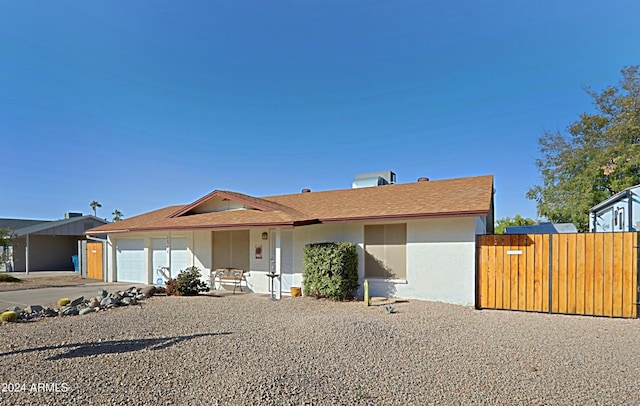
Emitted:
<point x="229" y="276"/>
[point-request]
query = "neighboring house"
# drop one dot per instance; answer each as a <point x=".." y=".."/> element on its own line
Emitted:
<point x="45" y="245"/>
<point x="414" y="240"/>
<point x="542" y="228"/>
<point x="620" y="212"/>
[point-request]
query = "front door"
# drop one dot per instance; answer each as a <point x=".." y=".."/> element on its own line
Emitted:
<point x="286" y="258"/>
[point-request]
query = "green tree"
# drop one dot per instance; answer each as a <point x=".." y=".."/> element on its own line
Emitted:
<point x="94" y="205"/>
<point x="597" y="156"/>
<point x="518" y="220"/>
<point x="117" y="215"/>
<point x="5" y="241"/>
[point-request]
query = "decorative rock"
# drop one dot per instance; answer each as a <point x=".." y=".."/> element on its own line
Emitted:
<point x="81" y="306"/>
<point x="77" y="301"/>
<point x="128" y="301"/>
<point x="148" y="291"/>
<point x="34" y="309"/>
<point x="64" y="301"/>
<point x="8" y="316"/>
<point x="109" y="302"/>
<point x="87" y="310"/>
<point x="49" y="312"/>
<point x="69" y="311"/>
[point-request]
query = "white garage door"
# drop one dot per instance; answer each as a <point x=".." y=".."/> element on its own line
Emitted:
<point x="130" y="263"/>
<point x="179" y="255"/>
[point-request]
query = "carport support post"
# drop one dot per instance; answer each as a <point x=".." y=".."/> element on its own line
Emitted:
<point x="26" y="255"/>
<point x="278" y="263"/>
<point x="169" y="254"/>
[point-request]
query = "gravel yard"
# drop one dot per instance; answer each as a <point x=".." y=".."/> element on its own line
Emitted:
<point x="244" y="349"/>
<point x="45" y="282"/>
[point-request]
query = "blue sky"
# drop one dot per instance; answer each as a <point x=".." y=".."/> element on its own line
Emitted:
<point x="142" y="105"/>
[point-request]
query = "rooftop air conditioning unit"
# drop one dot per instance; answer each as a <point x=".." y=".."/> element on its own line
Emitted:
<point x="373" y="179"/>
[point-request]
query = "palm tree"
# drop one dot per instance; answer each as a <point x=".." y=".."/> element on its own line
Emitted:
<point x="94" y="205"/>
<point x="117" y="215"/>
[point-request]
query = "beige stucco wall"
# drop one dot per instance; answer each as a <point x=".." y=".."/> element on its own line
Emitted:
<point x="440" y="261"/>
<point x="440" y="257"/>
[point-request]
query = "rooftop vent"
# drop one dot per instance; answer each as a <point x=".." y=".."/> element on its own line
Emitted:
<point x="72" y="214"/>
<point x="306" y="190"/>
<point x="423" y="179"/>
<point x="374" y="179"/>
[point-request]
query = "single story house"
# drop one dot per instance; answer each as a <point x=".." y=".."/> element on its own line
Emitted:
<point x="414" y="240"/>
<point x="620" y="212"/>
<point x="46" y="245"/>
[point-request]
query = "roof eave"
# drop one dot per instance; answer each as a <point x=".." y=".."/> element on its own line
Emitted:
<point x="201" y="227"/>
<point x="615" y="198"/>
<point x="91" y="232"/>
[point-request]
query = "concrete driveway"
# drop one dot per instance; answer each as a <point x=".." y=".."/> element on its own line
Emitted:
<point x="50" y="296"/>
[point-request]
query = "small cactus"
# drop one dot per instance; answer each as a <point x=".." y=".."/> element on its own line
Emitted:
<point x="64" y="301"/>
<point x="9" y="316"/>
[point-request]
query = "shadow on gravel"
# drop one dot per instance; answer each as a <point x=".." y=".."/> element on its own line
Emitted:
<point x="113" y="347"/>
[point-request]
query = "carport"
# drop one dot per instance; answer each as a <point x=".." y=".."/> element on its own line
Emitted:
<point x="49" y="245"/>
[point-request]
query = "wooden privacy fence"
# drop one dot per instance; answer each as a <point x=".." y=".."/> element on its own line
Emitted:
<point x="590" y="274"/>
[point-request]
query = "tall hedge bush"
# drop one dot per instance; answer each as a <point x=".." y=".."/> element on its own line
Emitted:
<point x="330" y="270"/>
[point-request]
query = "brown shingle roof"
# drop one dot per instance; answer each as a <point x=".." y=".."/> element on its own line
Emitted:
<point x="440" y="198"/>
<point x="463" y="196"/>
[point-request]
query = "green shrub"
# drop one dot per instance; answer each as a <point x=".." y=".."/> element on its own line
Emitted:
<point x="63" y="302"/>
<point x="9" y="316"/>
<point x="8" y="278"/>
<point x="330" y="270"/>
<point x="189" y="282"/>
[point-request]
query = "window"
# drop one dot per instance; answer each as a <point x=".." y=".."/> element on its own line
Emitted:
<point x="385" y="251"/>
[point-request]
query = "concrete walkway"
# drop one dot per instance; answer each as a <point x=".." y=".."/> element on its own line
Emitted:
<point x="49" y="296"/>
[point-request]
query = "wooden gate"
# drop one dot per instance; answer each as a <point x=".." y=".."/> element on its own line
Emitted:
<point x="94" y="260"/>
<point x="590" y="274"/>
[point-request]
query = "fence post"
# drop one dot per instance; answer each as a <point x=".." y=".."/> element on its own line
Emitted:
<point x="550" y="273"/>
<point x="637" y="247"/>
